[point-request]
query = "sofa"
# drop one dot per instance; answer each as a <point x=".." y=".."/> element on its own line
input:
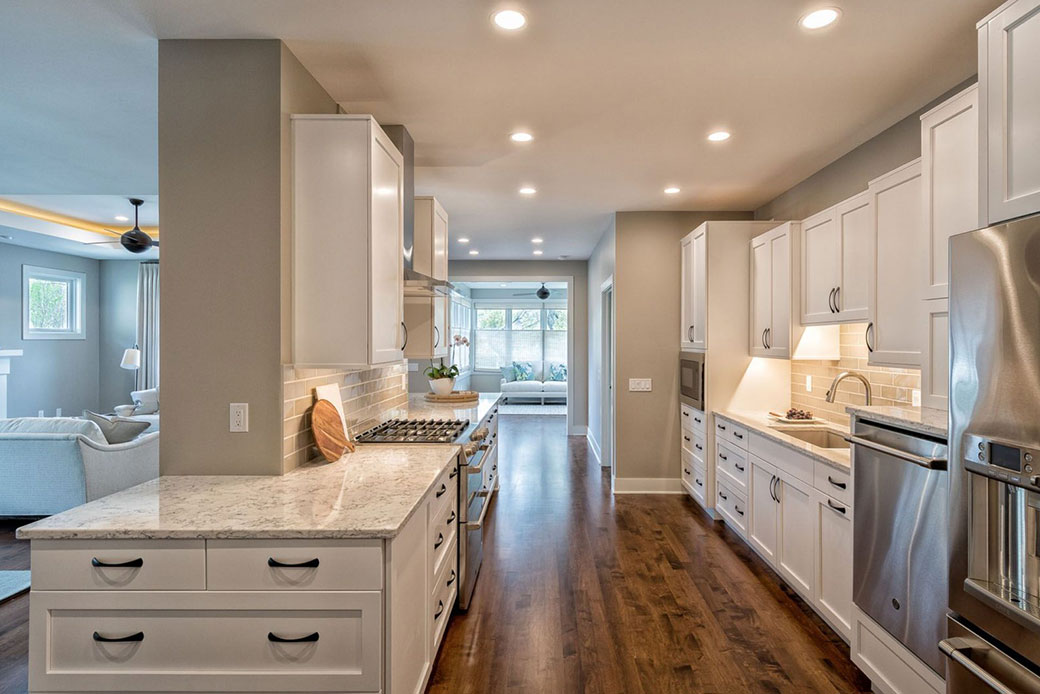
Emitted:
<point x="540" y="386"/>
<point x="50" y="464"/>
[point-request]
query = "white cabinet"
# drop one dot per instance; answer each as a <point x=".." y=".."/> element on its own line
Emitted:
<point x="694" y="300"/>
<point x="833" y="598"/>
<point x="1009" y="97"/>
<point x="347" y="242"/>
<point x="771" y="292"/>
<point x="430" y="242"/>
<point x="797" y="534"/>
<point x="763" y="532"/>
<point x="835" y="271"/>
<point x="896" y="314"/>
<point x="950" y="180"/>
<point x="935" y="363"/>
<point x="427" y="321"/>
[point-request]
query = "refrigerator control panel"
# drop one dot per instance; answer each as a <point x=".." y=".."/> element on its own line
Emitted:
<point x="1002" y="460"/>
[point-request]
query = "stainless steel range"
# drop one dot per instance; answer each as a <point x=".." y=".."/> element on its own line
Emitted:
<point x="478" y="480"/>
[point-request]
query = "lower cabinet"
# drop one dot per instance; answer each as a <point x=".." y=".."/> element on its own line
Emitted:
<point x="763" y="533"/>
<point x="797" y="534"/>
<point x="833" y="551"/>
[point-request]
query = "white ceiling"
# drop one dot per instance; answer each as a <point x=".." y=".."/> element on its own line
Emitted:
<point x="619" y="96"/>
<point x="100" y="209"/>
<point x="510" y="285"/>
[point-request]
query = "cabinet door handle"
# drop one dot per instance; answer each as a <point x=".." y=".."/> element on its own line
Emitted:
<point x="738" y="435"/>
<point x="689" y="334"/>
<point x="132" y="564"/>
<point x="440" y="609"/>
<point x="763" y="340"/>
<point x="686" y="471"/>
<point x="442" y="490"/>
<point x="837" y="299"/>
<point x="722" y="427"/>
<point x="275" y="638"/>
<point x="769" y="338"/>
<point x="839" y="485"/>
<point x="830" y="301"/>
<point x="723" y="456"/>
<point x="129" y="638"/>
<point x="723" y="496"/>
<point x="405" y="343"/>
<point x="698" y="447"/>
<point x="772" y="489"/>
<point x="451" y="579"/>
<point x="440" y="540"/>
<point x="839" y="509"/>
<point x="685" y="413"/>
<point x="309" y="564"/>
<point x="737" y="509"/>
<point x="699" y="483"/>
<point x="437" y="336"/>
<point x="867" y="334"/>
<point x="453" y="473"/>
<point x="697" y="419"/>
<point x="451" y="518"/>
<point x="686" y="439"/>
<point x="738" y="466"/>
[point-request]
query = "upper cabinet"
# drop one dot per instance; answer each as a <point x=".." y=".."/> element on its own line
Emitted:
<point x="347" y="242"/>
<point x="1009" y="100"/>
<point x="693" y="326"/>
<point x="835" y="277"/>
<point x="430" y="243"/>
<point x="427" y="319"/>
<point x="893" y="334"/>
<point x="771" y="291"/>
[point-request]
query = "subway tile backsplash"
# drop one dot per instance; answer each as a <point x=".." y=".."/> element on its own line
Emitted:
<point x="366" y="394"/>
<point x="890" y="386"/>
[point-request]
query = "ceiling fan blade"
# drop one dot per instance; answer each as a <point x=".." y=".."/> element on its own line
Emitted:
<point x="101" y="243"/>
<point x="525" y="294"/>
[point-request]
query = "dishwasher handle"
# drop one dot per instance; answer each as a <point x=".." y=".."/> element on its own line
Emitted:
<point x="927" y="463"/>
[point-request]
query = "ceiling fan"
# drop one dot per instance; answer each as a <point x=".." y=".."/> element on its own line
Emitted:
<point x="134" y="240"/>
<point x="542" y="293"/>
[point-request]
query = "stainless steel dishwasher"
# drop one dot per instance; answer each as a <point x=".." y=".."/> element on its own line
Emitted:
<point x="899" y="565"/>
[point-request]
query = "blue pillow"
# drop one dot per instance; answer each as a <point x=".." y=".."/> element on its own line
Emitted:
<point x="557" y="372"/>
<point x="523" y="370"/>
<point x="508" y="374"/>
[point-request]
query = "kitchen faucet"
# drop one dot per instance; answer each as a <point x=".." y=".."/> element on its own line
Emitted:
<point x="841" y="377"/>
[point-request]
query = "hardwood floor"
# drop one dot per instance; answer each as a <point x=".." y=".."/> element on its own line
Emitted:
<point x="14" y="614"/>
<point x="582" y="591"/>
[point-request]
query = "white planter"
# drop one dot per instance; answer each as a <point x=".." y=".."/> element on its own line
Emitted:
<point x="442" y="386"/>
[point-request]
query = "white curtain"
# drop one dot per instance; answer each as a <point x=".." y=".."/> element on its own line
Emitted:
<point x="148" y="325"/>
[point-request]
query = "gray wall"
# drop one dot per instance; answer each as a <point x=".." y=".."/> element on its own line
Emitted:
<point x="118" y="330"/>
<point x="850" y="174"/>
<point x="51" y="373"/>
<point x="601" y="267"/>
<point x="505" y="270"/>
<point x="222" y="193"/>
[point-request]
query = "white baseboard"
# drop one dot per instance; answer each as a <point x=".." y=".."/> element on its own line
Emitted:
<point x="578" y="431"/>
<point x="595" y="447"/>
<point x="647" y="485"/>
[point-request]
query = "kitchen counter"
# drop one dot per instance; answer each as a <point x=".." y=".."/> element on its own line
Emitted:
<point x="370" y="493"/>
<point x="418" y="407"/>
<point x="925" y="420"/>
<point x="763" y="425"/>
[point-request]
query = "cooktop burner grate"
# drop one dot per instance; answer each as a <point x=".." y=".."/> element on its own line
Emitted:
<point x="415" y="431"/>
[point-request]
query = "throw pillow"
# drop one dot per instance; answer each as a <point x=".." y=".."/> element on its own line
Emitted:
<point x="523" y="370"/>
<point x="116" y="429"/>
<point x="147" y="401"/>
<point x="508" y="374"/>
<point x="557" y="372"/>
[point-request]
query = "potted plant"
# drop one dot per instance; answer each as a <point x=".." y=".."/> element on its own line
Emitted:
<point x="442" y="378"/>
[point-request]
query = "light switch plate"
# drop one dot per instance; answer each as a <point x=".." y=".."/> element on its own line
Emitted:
<point x="239" y="418"/>
<point x="915" y="397"/>
<point x="640" y="385"/>
<point x="808" y="383"/>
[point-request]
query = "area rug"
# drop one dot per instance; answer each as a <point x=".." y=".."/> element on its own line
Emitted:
<point x="12" y="583"/>
<point x="533" y="409"/>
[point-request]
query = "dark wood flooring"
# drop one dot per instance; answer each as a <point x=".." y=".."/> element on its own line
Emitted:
<point x="582" y="591"/>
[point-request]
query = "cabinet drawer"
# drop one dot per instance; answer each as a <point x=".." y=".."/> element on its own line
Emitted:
<point x="733" y="508"/>
<point x="89" y="564"/>
<point x="729" y="432"/>
<point x="692" y="419"/>
<point x="490" y="466"/>
<point x="699" y="484"/>
<point x="445" y="490"/>
<point x="783" y="458"/>
<point x="686" y="466"/>
<point x="694" y="443"/>
<point x="320" y="565"/>
<point x="445" y="590"/>
<point x="732" y="462"/>
<point x="443" y="530"/>
<point x="833" y="482"/>
<point x="206" y="642"/>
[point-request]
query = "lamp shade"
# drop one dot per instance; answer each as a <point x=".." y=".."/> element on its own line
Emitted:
<point x="131" y="359"/>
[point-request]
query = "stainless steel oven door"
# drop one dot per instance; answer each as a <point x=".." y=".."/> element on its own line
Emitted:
<point x="691" y="379"/>
<point x="979" y="666"/>
<point x="474" y="502"/>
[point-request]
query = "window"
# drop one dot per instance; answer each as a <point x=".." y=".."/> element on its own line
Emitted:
<point x="462" y="325"/>
<point x="519" y="333"/>
<point x="52" y="304"/>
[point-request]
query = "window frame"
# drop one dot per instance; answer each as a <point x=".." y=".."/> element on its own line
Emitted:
<point x="508" y="307"/>
<point x="77" y="282"/>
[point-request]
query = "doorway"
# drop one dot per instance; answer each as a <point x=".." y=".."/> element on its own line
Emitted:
<point x="607" y="303"/>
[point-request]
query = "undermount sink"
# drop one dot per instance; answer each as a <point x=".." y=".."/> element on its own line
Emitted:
<point x="824" y="438"/>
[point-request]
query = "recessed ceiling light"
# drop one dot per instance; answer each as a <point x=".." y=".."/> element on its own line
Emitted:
<point x="671" y="190"/>
<point x="510" y="20"/>
<point x="122" y="218"/>
<point x="474" y="252"/>
<point x="527" y="190"/>
<point x="463" y="240"/>
<point x="537" y="252"/>
<point x="819" y="19"/>
<point x="718" y="136"/>
<point x="521" y="136"/>
<point x="536" y="240"/>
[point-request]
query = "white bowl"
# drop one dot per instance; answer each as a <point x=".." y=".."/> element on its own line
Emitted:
<point x="442" y="386"/>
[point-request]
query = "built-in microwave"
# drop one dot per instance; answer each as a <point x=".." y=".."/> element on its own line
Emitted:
<point x="691" y="379"/>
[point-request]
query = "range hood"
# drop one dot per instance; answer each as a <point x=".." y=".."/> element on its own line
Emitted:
<point x="415" y="283"/>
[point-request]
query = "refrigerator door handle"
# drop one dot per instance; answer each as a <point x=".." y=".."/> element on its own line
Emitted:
<point x="958" y="649"/>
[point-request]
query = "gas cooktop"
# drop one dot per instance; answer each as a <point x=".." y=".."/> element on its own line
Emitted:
<point x="415" y="431"/>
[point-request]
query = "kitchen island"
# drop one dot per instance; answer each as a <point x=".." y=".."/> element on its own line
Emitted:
<point x="337" y="577"/>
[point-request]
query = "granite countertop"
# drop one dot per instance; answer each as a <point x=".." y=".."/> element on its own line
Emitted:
<point x="925" y="420"/>
<point x="370" y="493"/>
<point x="418" y="407"/>
<point x="762" y="424"/>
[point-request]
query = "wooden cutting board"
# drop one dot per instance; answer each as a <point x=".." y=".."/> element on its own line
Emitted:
<point x="329" y="434"/>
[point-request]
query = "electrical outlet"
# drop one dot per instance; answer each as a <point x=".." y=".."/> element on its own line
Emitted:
<point x="239" y="417"/>
<point x="413" y="366"/>
<point x="808" y="384"/>
<point x="640" y="385"/>
<point x="39" y="413"/>
<point x="915" y="397"/>
<point x="57" y="412"/>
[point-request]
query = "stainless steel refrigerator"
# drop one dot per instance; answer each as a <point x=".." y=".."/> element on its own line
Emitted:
<point x="993" y="636"/>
